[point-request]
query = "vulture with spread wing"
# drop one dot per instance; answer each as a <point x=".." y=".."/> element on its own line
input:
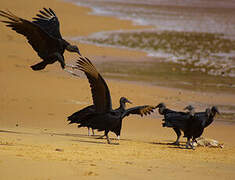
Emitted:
<point x="101" y="115"/>
<point x="43" y="34"/>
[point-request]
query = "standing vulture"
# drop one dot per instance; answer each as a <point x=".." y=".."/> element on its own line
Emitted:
<point x="101" y="115"/>
<point x="199" y="122"/>
<point x="179" y="121"/>
<point x="43" y="34"/>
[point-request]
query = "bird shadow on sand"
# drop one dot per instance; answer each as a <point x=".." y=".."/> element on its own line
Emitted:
<point x="94" y="142"/>
<point x="84" y="136"/>
<point x="180" y="147"/>
<point x="72" y="135"/>
<point x="14" y="132"/>
<point x="170" y="145"/>
<point x="92" y="138"/>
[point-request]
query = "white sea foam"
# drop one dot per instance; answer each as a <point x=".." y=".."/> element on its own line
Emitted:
<point x="180" y="18"/>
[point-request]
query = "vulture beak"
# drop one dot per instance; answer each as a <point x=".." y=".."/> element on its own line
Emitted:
<point x="158" y="106"/>
<point x="216" y="110"/>
<point x="128" y="101"/>
<point x="79" y="52"/>
<point x="186" y="108"/>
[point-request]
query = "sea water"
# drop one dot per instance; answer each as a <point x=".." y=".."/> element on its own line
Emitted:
<point x="199" y="33"/>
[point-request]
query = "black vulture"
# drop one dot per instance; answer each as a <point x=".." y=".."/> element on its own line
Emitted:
<point x="101" y="115"/>
<point x="199" y="122"/>
<point x="43" y="34"/>
<point x="179" y="121"/>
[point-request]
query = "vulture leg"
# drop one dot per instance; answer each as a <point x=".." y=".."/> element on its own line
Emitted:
<point x="70" y="66"/>
<point x="178" y="133"/>
<point x="60" y="59"/>
<point x="89" y="132"/>
<point x="39" y="66"/>
<point x="188" y="144"/>
<point x="106" y="134"/>
<point x="193" y="140"/>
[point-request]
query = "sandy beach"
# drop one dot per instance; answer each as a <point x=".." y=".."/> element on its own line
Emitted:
<point x="36" y="142"/>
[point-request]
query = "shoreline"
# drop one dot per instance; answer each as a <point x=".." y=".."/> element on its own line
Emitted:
<point x="208" y="83"/>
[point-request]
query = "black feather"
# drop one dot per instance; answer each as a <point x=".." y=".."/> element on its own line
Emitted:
<point x="45" y="14"/>
<point x="48" y="11"/>
<point x="39" y="15"/>
<point x="52" y="11"/>
<point x="43" y="35"/>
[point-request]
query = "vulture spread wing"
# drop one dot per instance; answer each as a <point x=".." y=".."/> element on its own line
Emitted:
<point x="99" y="89"/>
<point x="140" y="110"/>
<point x="37" y="38"/>
<point x="49" y="22"/>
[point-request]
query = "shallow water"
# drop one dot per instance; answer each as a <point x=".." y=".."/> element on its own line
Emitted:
<point x="181" y="33"/>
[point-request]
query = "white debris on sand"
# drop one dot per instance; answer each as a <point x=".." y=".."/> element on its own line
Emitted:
<point x="206" y="142"/>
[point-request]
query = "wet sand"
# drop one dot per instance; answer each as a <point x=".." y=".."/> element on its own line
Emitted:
<point x="37" y="143"/>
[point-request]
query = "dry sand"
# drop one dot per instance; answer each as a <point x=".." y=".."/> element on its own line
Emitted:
<point x="37" y="143"/>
